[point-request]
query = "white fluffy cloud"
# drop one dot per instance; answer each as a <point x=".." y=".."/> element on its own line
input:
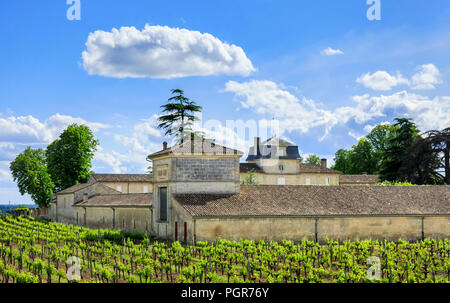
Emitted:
<point x="331" y="52"/>
<point x="382" y="80"/>
<point x="427" y="113"/>
<point x="427" y="77"/>
<point x="302" y="114"/>
<point x="5" y="176"/>
<point x="29" y="130"/>
<point x="161" y="52"/>
<point x="145" y="139"/>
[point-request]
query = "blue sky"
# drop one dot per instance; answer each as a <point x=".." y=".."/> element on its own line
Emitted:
<point x="320" y="68"/>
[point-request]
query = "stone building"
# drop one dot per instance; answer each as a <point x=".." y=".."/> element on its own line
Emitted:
<point x="125" y="183"/>
<point x="277" y="162"/>
<point x="196" y="195"/>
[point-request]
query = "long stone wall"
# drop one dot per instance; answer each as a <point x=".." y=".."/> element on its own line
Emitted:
<point x="409" y="228"/>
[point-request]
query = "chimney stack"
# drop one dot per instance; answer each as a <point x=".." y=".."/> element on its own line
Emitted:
<point x="85" y="197"/>
<point x="164" y="145"/>
<point x="257" y="142"/>
<point x="324" y="163"/>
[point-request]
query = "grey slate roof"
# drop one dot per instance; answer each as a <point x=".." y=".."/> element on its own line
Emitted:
<point x="268" y="150"/>
<point x="122" y="177"/>
<point x="291" y="200"/>
<point x="121" y="200"/>
<point x="358" y="179"/>
<point x="246" y="167"/>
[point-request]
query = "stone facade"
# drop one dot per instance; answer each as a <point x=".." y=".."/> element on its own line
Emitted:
<point x="410" y="228"/>
<point x="198" y="197"/>
<point x="277" y="162"/>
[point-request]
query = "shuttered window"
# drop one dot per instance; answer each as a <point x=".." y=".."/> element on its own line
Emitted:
<point x="163" y="203"/>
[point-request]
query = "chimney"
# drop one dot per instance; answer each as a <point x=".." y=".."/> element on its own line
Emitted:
<point x="324" y="163"/>
<point x="85" y="197"/>
<point x="256" y="150"/>
<point x="164" y="145"/>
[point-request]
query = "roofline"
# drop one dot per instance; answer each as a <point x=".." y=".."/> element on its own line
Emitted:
<point x="87" y="185"/>
<point x="316" y="216"/>
<point x="182" y="155"/>
<point x="114" y="206"/>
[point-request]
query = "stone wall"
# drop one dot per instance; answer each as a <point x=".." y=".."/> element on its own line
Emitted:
<point x="135" y="219"/>
<point x="130" y="187"/>
<point x="193" y="169"/>
<point x="63" y="211"/>
<point x="274" y="229"/>
<point x="300" y="179"/>
<point x="409" y="228"/>
<point x="94" y="189"/>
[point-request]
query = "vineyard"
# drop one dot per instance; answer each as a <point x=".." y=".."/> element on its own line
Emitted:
<point x="34" y="251"/>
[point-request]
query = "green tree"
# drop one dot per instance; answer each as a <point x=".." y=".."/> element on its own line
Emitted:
<point x="427" y="160"/>
<point x="30" y="171"/>
<point x="341" y="161"/>
<point x="179" y="116"/>
<point x="250" y="178"/>
<point x="397" y="146"/>
<point x="367" y="155"/>
<point x="313" y="159"/>
<point x="69" y="157"/>
<point x="362" y="158"/>
<point x="379" y="139"/>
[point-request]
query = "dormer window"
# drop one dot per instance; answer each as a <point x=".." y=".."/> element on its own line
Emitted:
<point x="281" y="153"/>
<point x="281" y="167"/>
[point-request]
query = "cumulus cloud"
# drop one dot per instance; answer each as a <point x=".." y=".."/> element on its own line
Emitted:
<point x="302" y="114"/>
<point x="5" y="176"/>
<point x="145" y="139"/>
<point x="161" y="52"/>
<point x="427" y="77"/>
<point x="29" y="130"/>
<point x="382" y="80"/>
<point x="331" y="52"/>
<point x="426" y="112"/>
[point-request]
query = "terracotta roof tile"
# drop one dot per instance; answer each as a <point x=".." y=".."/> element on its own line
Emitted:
<point x="288" y="200"/>
<point x="312" y="168"/>
<point x="74" y="188"/>
<point x="197" y="147"/>
<point x="358" y="179"/>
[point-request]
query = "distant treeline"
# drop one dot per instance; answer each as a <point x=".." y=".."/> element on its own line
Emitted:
<point x="6" y="208"/>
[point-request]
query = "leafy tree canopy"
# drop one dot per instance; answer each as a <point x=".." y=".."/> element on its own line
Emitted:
<point x="313" y="159"/>
<point x="179" y="116"/>
<point x="69" y="157"/>
<point x="30" y="171"/>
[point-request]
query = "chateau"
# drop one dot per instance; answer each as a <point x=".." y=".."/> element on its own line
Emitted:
<point x="195" y="194"/>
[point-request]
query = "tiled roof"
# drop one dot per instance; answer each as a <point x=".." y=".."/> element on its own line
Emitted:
<point x="122" y="177"/>
<point x="312" y="168"/>
<point x="196" y="147"/>
<point x="246" y="167"/>
<point x="358" y="179"/>
<point x="74" y="188"/>
<point x="291" y="200"/>
<point x="130" y="200"/>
